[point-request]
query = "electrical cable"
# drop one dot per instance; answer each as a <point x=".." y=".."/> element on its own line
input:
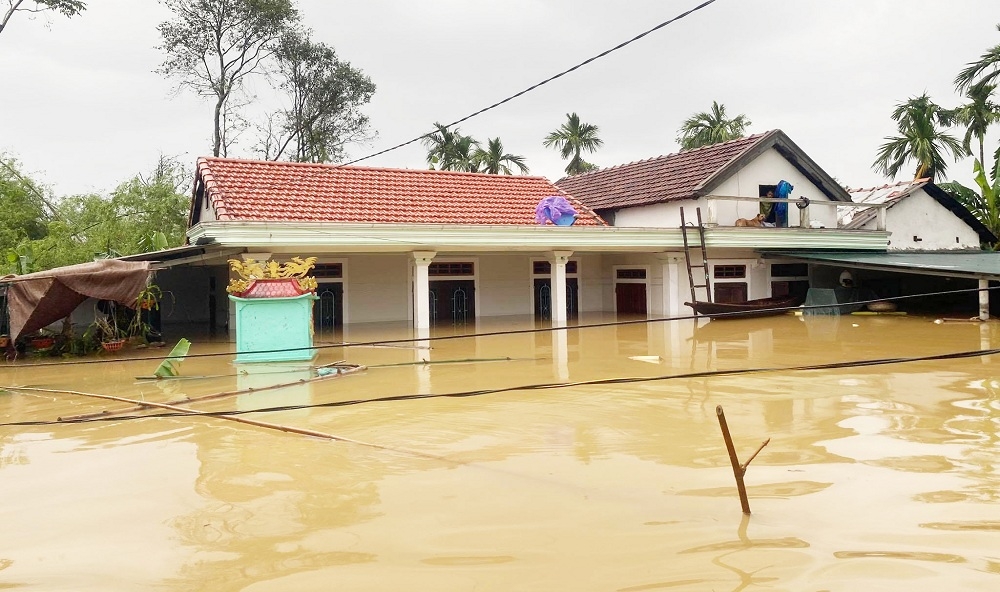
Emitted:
<point x="539" y="84"/>
<point x="512" y="331"/>
<point x="531" y="387"/>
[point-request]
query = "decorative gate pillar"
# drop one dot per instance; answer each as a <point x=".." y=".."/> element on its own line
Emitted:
<point x="274" y="305"/>
<point x="422" y="289"/>
<point x="558" y="294"/>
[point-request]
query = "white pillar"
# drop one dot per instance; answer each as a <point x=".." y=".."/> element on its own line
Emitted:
<point x="671" y="272"/>
<point x="984" y="300"/>
<point x="560" y="352"/>
<point x="558" y="292"/>
<point x="421" y="289"/>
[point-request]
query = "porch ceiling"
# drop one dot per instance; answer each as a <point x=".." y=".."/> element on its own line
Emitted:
<point x="969" y="264"/>
<point x="366" y="238"/>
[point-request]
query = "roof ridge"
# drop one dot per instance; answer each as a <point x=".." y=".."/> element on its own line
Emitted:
<point x="753" y="137"/>
<point x="334" y="166"/>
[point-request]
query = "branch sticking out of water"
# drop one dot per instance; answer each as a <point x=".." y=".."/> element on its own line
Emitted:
<point x="738" y="469"/>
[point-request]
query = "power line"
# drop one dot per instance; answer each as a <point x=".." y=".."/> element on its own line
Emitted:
<point x="530" y="387"/>
<point x="405" y="340"/>
<point x="542" y="83"/>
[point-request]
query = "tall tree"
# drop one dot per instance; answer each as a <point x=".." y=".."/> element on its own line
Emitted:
<point x="450" y="150"/>
<point x="325" y="97"/>
<point x="571" y="139"/>
<point x="68" y="8"/>
<point x="494" y="160"/>
<point x="985" y="70"/>
<point x="212" y="46"/>
<point x="711" y="127"/>
<point x="919" y="140"/>
<point x="977" y="116"/>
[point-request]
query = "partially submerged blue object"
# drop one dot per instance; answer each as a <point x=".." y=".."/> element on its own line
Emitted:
<point x="555" y="209"/>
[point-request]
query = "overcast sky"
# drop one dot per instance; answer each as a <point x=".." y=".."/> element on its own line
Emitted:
<point x="83" y="110"/>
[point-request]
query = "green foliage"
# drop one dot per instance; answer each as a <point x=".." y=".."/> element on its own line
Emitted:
<point x="985" y="70"/>
<point x="212" y="46"/>
<point x="171" y="366"/>
<point x="984" y="204"/>
<point x="494" y="161"/>
<point x="139" y="215"/>
<point x="325" y="97"/>
<point x="450" y="150"/>
<point x="22" y="207"/>
<point x="68" y="8"/>
<point x="977" y="116"/>
<point x="920" y="140"/>
<point x="571" y="139"/>
<point x="711" y="127"/>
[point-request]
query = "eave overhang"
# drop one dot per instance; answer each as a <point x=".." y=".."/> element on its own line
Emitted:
<point x="395" y="238"/>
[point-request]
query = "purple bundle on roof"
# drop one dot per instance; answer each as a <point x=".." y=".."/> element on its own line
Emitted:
<point x="555" y="209"/>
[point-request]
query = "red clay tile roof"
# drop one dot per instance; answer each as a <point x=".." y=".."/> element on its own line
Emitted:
<point x="303" y="192"/>
<point x="664" y="178"/>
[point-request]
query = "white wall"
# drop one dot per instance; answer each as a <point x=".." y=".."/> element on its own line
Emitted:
<point x="594" y="283"/>
<point x="504" y="287"/>
<point x="767" y="169"/>
<point x="920" y="215"/>
<point x="377" y="288"/>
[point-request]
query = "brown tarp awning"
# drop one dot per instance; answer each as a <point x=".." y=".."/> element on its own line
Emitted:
<point x="36" y="300"/>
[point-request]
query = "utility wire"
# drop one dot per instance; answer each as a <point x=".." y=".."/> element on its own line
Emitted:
<point x="542" y="83"/>
<point x="511" y="332"/>
<point x="533" y="387"/>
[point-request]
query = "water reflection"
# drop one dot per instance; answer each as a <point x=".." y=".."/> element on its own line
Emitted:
<point x="892" y="467"/>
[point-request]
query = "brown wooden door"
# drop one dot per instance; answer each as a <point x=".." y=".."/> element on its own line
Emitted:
<point x="730" y="292"/>
<point x="630" y="299"/>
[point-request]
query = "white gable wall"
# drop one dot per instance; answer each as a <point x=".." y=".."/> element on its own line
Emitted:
<point x="767" y="169"/>
<point x="920" y="216"/>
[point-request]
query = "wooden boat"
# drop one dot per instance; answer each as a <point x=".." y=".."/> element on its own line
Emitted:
<point x="761" y="307"/>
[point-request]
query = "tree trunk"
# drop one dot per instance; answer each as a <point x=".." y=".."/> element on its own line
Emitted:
<point x="217" y="138"/>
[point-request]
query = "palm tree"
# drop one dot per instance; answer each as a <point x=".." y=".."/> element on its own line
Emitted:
<point x="977" y="116"/>
<point x="714" y="127"/>
<point x="450" y="150"/>
<point x="463" y="154"/>
<point x="492" y="160"/>
<point x="571" y="139"/>
<point x="920" y="140"/>
<point x="986" y="69"/>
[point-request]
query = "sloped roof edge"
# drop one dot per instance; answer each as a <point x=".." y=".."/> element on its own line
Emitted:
<point x="778" y="140"/>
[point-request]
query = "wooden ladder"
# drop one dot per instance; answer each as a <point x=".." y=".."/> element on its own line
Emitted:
<point x="702" y="258"/>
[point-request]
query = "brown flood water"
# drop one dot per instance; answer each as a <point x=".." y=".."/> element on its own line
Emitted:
<point x="876" y="478"/>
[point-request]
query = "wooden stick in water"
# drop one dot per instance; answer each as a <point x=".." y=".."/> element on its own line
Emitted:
<point x="738" y="470"/>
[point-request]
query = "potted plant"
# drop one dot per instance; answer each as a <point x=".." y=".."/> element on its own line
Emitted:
<point x="105" y="330"/>
<point x="149" y="298"/>
<point x="42" y="341"/>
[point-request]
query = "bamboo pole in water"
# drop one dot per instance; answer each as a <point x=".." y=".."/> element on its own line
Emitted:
<point x="739" y="470"/>
<point x="243" y="420"/>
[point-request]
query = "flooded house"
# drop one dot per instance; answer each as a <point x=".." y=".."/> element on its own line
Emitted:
<point x="751" y="243"/>
<point x="431" y="247"/>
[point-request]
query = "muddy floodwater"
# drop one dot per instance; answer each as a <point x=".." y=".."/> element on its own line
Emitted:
<point x="877" y="477"/>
